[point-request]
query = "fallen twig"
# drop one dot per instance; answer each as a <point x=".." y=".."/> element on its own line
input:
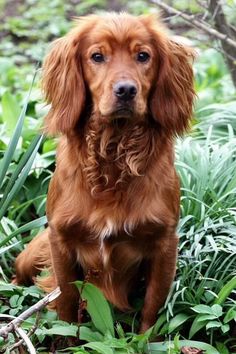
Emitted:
<point x="11" y="326"/>
<point x="194" y="22"/>
<point x="26" y="340"/>
<point x="31" y="331"/>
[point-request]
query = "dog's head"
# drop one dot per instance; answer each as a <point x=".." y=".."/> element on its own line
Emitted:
<point x="128" y="67"/>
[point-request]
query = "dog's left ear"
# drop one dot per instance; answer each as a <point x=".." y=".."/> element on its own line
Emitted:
<point x="171" y="102"/>
<point x="63" y="85"/>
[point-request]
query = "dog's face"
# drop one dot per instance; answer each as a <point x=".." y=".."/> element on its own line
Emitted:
<point x="119" y="66"/>
<point x="129" y="68"/>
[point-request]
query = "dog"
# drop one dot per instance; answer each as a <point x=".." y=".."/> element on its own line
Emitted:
<point x="120" y="91"/>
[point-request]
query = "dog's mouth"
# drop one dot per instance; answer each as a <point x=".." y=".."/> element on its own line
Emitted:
<point x="123" y="111"/>
<point x="122" y="116"/>
<point x="120" y="123"/>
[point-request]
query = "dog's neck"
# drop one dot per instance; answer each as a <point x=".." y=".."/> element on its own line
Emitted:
<point x="116" y="154"/>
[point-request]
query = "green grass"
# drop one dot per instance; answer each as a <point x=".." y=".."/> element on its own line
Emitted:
<point x="201" y="308"/>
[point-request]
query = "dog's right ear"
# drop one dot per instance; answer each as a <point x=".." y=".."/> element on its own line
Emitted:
<point x="63" y="85"/>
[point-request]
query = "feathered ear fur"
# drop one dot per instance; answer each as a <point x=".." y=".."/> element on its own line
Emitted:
<point x="63" y="84"/>
<point x="171" y="102"/>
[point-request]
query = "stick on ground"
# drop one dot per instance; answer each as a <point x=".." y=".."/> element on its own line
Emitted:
<point x="11" y="326"/>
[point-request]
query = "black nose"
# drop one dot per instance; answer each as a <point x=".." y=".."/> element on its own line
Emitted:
<point x="125" y="90"/>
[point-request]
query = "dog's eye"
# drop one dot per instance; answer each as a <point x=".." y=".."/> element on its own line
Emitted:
<point x="98" y="57"/>
<point x="142" y="57"/>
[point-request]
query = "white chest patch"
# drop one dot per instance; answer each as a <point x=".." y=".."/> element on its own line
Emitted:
<point x="109" y="229"/>
<point x="112" y="228"/>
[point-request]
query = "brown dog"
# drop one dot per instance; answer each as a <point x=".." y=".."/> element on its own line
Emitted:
<point x="120" y="91"/>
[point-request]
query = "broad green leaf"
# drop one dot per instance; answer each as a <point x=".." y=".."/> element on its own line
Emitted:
<point x="196" y="326"/>
<point x="158" y="348"/>
<point x="226" y="291"/>
<point x="213" y="324"/>
<point x="13" y="300"/>
<point x="67" y="330"/>
<point x="177" y="321"/>
<point x="8" y="289"/>
<point x="207" y="317"/>
<point x="159" y="323"/>
<point x="204" y="309"/>
<point x="230" y="315"/>
<point x="225" y="328"/>
<point x="88" y="335"/>
<point x="32" y="291"/>
<point x="217" y="310"/>
<point x="40" y="335"/>
<point x="10" y="111"/>
<point x="97" y="307"/>
<point x="99" y="347"/>
<point x="117" y="343"/>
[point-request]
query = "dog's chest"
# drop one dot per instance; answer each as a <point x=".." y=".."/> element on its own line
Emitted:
<point x="113" y="228"/>
<point x="105" y="240"/>
<point x="116" y="246"/>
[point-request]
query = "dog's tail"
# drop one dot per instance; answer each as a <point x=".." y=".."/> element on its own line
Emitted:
<point x="47" y="282"/>
<point x="33" y="259"/>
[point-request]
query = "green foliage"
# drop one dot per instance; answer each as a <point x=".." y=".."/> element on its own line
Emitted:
<point x="201" y="305"/>
<point x="210" y="317"/>
<point x="213" y="81"/>
<point x="16" y="299"/>
<point x="97" y="307"/>
<point x="172" y="348"/>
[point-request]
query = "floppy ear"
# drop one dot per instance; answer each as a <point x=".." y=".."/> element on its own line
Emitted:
<point x="172" y="97"/>
<point x="63" y="85"/>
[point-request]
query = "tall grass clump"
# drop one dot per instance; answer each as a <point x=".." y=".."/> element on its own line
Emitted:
<point x="202" y="303"/>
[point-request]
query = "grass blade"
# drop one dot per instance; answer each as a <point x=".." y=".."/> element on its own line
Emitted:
<point x="37" y="223"/>
<point x="15" y="138"/>
<point x="22" y="177"/>
<point x="226" y="291"/>
<point x="19" y="168"/>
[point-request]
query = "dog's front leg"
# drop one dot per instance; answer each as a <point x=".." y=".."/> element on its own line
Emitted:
<point x="64" y="268"/>
<point x="160" y="275"/>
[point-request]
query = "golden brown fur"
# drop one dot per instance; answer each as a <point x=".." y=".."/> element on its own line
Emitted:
<point x="113" y="202"/>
